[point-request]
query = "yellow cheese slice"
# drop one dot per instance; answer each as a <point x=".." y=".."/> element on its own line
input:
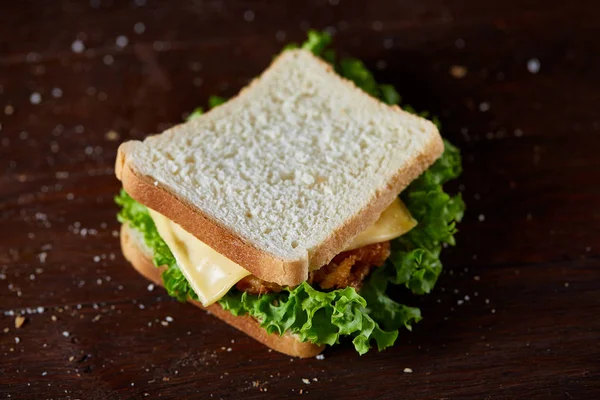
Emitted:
<point x="209" y="273"/>
<point x="395" y="221"/>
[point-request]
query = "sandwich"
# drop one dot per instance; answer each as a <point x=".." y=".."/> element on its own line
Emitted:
<point x="297" y="210"/>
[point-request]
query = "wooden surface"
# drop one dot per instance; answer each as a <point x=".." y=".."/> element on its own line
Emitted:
<point x="515" y="315"/>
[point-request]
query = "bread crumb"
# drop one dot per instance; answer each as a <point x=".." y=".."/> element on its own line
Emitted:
<point x="77" y="46"/>
<point x="112" y="136"/>
<point x="533" y="65"/>
<point x="53" y="318"/>
<point x="139" y="28"/>
<point x="408" y="370"/>
<point x="320" y="357"/>
<point x="306" y="381"/>
<point x="249" y="15"/>
<point x="35" y="98"/>
<point x="458" y="71"/>
<point x="19" y="321"/>
<point x="122" y="41"/>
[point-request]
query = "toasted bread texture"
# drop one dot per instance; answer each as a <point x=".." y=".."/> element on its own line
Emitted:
<point x="140" y="257"/>
<point x="282" y="177"/>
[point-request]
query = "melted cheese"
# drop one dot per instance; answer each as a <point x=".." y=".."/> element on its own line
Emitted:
<point x="211" y="274"/>
<point x="395" y="221"/>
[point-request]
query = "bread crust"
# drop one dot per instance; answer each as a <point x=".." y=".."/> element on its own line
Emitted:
<point x="360" y="221"/>
<point x="136" y="254"/>
<point x="262" y="264"/>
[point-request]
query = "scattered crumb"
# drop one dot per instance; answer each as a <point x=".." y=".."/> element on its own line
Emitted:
<point x="77" y="46"/>
<point x="139" y="28"/>
<point x="320" y="357"/>
<point x="484" y="106"/>
<point x="35" y="98"/>
<point x="17" y="340"/>
<point x="249" y="15"/>
<point x="533" y="65"/>
<point x="458" y="71"/>
<point x="408" y="370"/>
<point x="65" y="334"/>
<point x="306" y="381"/>
<point x="19" y="321"/>
<point x="566" y="285"/>
<point x="481" y="217"/>
<point x="57" y="92"/>
<point x="53" y="318"/>
<point x="111" y="136"/>
<point x="150" y="287"/>
<point x="122" y="41"/>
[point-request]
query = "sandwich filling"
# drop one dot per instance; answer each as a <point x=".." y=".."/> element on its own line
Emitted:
<point x="211" y="275"/>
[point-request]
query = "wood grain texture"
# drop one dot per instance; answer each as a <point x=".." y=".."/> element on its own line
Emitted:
<point x="515" y="315"/>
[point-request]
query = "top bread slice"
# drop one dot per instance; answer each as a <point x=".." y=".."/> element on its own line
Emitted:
<point x="280" y="178"/>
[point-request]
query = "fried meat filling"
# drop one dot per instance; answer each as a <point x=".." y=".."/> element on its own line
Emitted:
<point x="348" y="268"/>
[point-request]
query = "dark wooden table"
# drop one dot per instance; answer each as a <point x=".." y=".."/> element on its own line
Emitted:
<point x="517" y="87"/>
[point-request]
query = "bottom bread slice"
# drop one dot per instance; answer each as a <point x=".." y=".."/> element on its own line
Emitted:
<point x="139" y="256"/>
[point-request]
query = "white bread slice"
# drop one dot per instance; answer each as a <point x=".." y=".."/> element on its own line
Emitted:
<point x="282" y="177"/>
<point x="138" y="254"/>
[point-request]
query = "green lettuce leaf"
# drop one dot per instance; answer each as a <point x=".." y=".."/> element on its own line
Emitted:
<point x="320" y="317"/>
<point x="313" y="315"/>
